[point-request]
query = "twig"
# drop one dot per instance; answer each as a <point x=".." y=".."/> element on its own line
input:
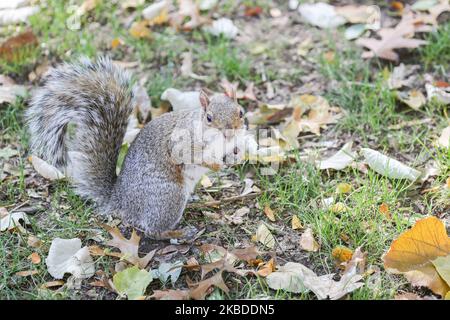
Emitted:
<point x="216" y="203"/>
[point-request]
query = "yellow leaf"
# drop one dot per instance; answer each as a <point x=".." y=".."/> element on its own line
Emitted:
<point x="115" y="43"/>
<point x="384" y="210"/>
<point x="338" y="207"/>
<point x="140" y="30"/>
<point x="296" y="223"/>
<point x="267" y="269"/>
<point x="269" y="213"/>
<point x="342" y="254"/>
<point x="343" y="188"/>
<point x="162" y="18"/>
<point x="413" y="252"/>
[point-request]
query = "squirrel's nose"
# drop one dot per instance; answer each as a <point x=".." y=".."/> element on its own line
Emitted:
<point x="235" y="150"/>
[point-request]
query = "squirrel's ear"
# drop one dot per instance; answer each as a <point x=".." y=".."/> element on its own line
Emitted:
<point x="204" y="97"/>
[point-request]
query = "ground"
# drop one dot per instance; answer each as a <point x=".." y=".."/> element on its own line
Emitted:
<point x="267" y="53"/>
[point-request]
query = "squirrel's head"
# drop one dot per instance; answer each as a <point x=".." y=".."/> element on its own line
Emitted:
<point x="221" y="111"/>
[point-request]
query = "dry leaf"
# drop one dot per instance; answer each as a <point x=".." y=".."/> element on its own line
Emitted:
<point x="201" y="289"/>
<point x="384" y="210"/>
<point x="35" y="258"/>
<point x="264" y="236"/>
<point x="140" y="30"/>
<point x="296" y="223"/>
<point x="223" y="26"/>
<point x="391" y="38"/>
<point x="342" y="254"/>
<point x="444" y="139"/>
<point x="267" y="268"/>
<point x="414" y="250"/>
<point x="129" y="248"/>
<point x="414" y="99"/>
<point x="342" y="188"/>
<point x="307" y="241"/>
<point x="340" y="160"/>
<point x="17" y="15"/>
<point x="269" y="213"/>
<point x="442" y="95"/>
<point x="26" y="273"/>
<point x="389" y="167"/>
<point x="67" y="256"/>
<point x="52" y="284"/>
<point x="238" y="217"/>
<point x="170" y="294"/>
<point x="12" y="220"/>
<point x="11" y="48"/>
<point x="321" y="15"/>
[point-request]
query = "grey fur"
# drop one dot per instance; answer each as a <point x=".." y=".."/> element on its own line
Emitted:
<point x="150" y="193"/>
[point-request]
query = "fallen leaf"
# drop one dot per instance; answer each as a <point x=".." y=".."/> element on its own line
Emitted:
<point x="321" y="15"/>
<point x="26" y="273"/>
<point x="11" y="48"/>
<point x="267" y="268"/>
<point x="296" y="223"/>
<point x="170" y="294"/>
<point x="442" y="265"/>
<point x="340" y="160"/>
<point x="296" y="278"/>
<point x="389" y="167"/>
<point x="169" y="270"/>
<point x="391" y="38"/>
<point x="264" y="236"/>
<point x="360" y="14"/>
<point x="307" y="241"/>
<point x="415" y="99"/>
<point x="403" y="76"/>
<point x="413" y="251"/>
<point x="67" y="256"/>
<point x="52" y="284"/>
<point x="9" y="90"/>
<point x="343" y="187"/>
<point x="34" y="242"/>
<point x="132" y="282"/>
<point x="45" y="169"/>
<point x="338" y="207"/>
<point x="129" y="248"/>
<point x="238" y="216"/>
<point x="384" y="210"/>
<point x="188" y="10"/>
<point x="253" y="11"/>
<point x="444" y="139"/>
<point x="441" y="95"/>
<point x="200" y="290"/>
<point x="12" y="221"/>
<point x="17" y="15"/>
<point x="224" y="27"/>
<point x="206" y="182"/>
<point x="140" y="30"/>
<point x="35" y="258"/>
<point x="269" y="213"/>
<point x="342" y="254"/>
<point x="156" y="13"/>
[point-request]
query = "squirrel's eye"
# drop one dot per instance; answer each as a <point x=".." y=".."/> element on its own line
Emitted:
<point x="241" y="114"/>
<point x="209" y="117"/>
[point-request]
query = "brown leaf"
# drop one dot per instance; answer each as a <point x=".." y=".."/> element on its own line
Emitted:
<point x="51" y="284"/>
<point x="11" y="48"/>
<point x="267" y="268"/>
<point x="296" y="223"/>
<point x="170" y="294"/>
<point x="201" y="289"/>
<point x="35" y="258"/>
<point x="128" y="247"/>
<point x="187" y="9"/>
<point x="26" y="273"/>
<point x="391" y="38"/>
<point x="253" y="11"/>
<point x="269" y="213"/>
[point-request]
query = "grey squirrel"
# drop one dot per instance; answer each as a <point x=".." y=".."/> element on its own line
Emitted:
<point x="153" y="187"/>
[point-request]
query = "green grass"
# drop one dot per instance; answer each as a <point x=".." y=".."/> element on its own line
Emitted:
<point x="436" y="54"/>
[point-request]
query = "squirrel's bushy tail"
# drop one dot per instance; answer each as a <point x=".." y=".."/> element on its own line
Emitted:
<point x="97" y="98"/>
